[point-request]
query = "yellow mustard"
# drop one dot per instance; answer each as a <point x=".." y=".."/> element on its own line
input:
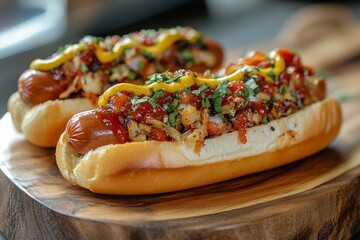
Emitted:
<point x="165" y="40"/>
<point x="190" y="80"/>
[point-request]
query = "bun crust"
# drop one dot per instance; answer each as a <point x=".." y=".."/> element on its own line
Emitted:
<point x="43" y="124"/>
<point x="155" y="167"/>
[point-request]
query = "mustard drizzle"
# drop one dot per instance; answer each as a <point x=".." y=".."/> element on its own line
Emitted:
<point x="190" y="80"/>
<point x="165" y="40"/>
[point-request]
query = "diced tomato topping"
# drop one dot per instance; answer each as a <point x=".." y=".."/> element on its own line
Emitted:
<point x="119" y="101"/>
<point x="240" y="125"/>
<point x="214" y="129"/>
<point x="111" y="120"/>
<point x="258" y="107"/>
<point x="158" y="135"/>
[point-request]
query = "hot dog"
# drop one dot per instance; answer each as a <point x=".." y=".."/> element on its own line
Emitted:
<point x="183" y="130"/>
<point x="85" y="70"/>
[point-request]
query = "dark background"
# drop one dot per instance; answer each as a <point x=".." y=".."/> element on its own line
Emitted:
<point x="234" y="23"/>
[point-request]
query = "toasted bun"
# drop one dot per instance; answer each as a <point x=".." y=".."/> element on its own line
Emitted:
<point x="154" y="167"/>
<point x="43" y="124"/>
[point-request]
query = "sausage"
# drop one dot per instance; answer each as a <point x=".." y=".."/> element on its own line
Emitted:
<point x="36" y="87"/>
<point x="86" y="131"/>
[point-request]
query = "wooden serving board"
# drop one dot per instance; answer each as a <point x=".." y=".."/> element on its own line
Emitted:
<point x="317" y="197"/>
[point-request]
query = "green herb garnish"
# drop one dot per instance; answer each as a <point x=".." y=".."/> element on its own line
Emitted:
<point x="63" y="48"/>
<point x="165" y="77"/>
<point x="220" y="115"/>
<point x="172" y="119"/>
<point x="140" y="66"/>
<point x="187" y="56"/>
<point x="272" y="75"/>
<point x="131" y="75"/>
<point x="282" y="89"/>
<point x="205" y="102"/>
<point x="172" y="106"/>
<point x="220" y="91"/>
<point x="147" y="54"/>
<point x="135" y="101"/>
<point x="84" y="68"/>
<point x="129" y="51"/>
<point x="154" y="99"/>
<point x="272" y="99"/>
<point x="252" y="89"/>
<point x="265" y="120"/>
<point x="294" y="94"/>
<point x="200" y="89"/>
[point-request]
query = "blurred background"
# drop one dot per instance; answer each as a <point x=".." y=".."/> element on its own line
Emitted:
<point x="326" y="33"/>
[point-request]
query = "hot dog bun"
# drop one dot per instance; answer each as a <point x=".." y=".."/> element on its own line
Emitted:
<point x="154" y="167"/>
<point x="43" y="124"/>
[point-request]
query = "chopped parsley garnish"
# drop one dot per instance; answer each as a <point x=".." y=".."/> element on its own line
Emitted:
<point x="165" y="77"/>
<point x="107" y="111"/>
<point x="265" y="120"/>
<point x="149" y="33"/>
<point x="131" y="75"/>
<point x="294" y="94"/>
<point x="172" y="119"/>
<point x="220" y="91"/>
<point x="272" y="99"/>
<point x="251" y="88"/>
<point x="282" y="89"/>
<point x="135" y="101"/>
<point x="154" y="99"/>
<point x="205" y="102"/>
<point x="187" y="55"/>
<point x="272" y="75"/>
<point x="129" y="51"/>
<point x="200" y="89"/>
<point x="177" y="94"/>
<point x="250" y="69"/>
<point x="63" y="48"/>
<point x="147" y="54"/>
<point x="246" y="103"/>
<point x="99" y="40"/>
<point x="220" y="115"/>
<point x="254" y="76"/>
<point x="245" y="93"/>
<point x="84" y="68"/>
<point x="172" y="106"/>
<point x="140" y="66"/>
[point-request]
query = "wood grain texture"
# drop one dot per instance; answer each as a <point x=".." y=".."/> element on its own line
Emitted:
<point x="318" y="197"/>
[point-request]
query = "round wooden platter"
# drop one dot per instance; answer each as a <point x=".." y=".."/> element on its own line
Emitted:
<point x="317" y="197"/>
